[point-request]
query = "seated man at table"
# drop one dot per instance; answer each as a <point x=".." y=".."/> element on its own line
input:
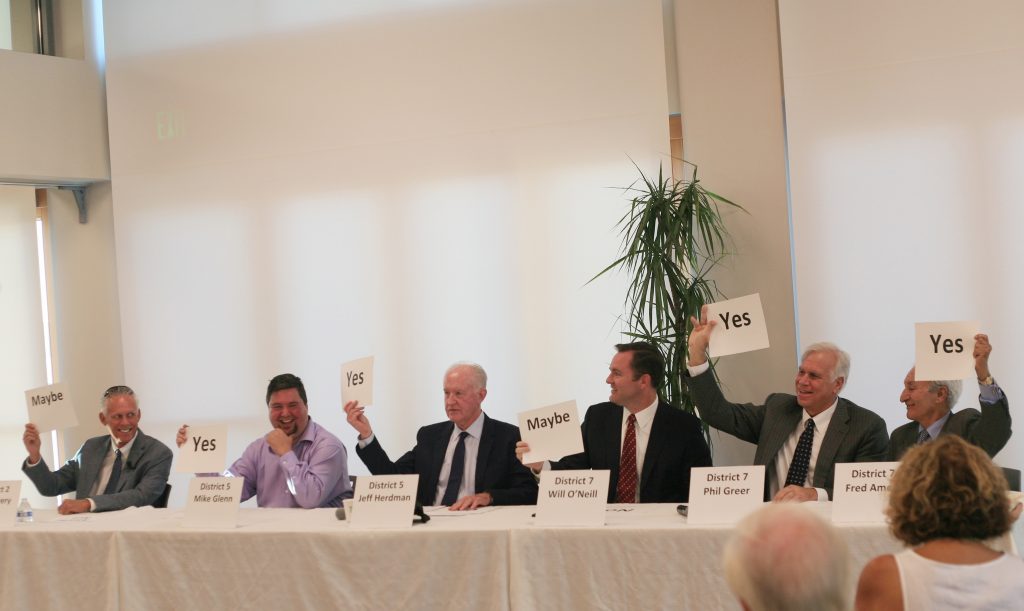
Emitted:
<point x="125" y="468"/>
<point x="466" y="462"/>
<point x="783" y="556"/>
<point x="800" y="437"/>
<point x="298" y="463"/>
<point x="929" y="404"/>
<point x="648" y="445"/>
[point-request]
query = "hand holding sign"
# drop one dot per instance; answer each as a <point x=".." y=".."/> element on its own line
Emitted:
<point x="740" y="326"/>
<point x="551" y="432"/>
<point x="203" y="449"/>
<point x="50" y="407"/>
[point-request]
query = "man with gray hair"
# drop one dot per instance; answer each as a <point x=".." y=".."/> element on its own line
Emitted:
<point x="467" y="462"/>
<point x="929" y="404"/>
<point x="800" y="437"/>
<point x="783" y="557"/>
<point x="123" y="468"/>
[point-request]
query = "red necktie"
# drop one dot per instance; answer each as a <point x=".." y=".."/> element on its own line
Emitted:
<point x="625" y="492"/>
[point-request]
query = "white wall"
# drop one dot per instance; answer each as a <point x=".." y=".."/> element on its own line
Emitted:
<point x="906" y="139"/>
<point x="422" y="182"/>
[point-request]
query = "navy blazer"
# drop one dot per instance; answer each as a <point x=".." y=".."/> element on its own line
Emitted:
<point x="676" y="444"/>
<point x="988" y="429"/>
<point x="142" y="480"/>
<point x="498" y="471"/>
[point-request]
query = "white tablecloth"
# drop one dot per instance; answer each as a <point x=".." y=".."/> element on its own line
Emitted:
<point x="646" y="557"/>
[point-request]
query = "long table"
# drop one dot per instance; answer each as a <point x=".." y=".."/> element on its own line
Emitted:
<point x="645" y="557"/>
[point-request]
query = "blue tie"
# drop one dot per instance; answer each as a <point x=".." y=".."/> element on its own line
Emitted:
<point x="115" y="474"/>
<point x="451" y="491"/>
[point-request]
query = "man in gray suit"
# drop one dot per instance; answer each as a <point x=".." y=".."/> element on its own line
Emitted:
<point x="929" y="404"/>
<point x="799" y="437"/>
<point x="123" y="469"/>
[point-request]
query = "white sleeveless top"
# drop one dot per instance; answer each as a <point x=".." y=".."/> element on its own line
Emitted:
<point x="928" y="584"/>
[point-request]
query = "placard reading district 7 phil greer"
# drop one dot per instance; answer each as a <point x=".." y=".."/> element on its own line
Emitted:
<point x="50" y="408"/>
<point x="357" y="381"/>
<point x="552" y="432"/>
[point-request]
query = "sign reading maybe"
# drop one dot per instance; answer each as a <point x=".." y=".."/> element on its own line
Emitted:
<point x="213" y="502"/>
<point x="205" y="450"/>
<point x="357" y="381"/>
<point x="861" y="491"/>
<point x="50" y="408"/>
<point x="740" y="326"/>
<point x="384" y="501"/>
<point x="552" y="432"/>
<point x="572" y="498"/>
<point x="944" y="350"/>
<point x="723" y="495"/>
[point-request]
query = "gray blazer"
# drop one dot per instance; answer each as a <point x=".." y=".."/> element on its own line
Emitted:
<point x="142" y="479"/>
<point x="988" y="429"/>
<point x="855" y="434"/>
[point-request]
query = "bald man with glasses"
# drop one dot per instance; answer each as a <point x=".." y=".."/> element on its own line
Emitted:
<point x="125" y="468"/>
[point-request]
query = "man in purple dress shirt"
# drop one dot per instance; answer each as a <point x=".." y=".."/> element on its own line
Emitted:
<point x="298" y="463"/>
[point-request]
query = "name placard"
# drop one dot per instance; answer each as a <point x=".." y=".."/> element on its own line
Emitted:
<point x="357" y="381"/>
<point x="384" y="501"/>
<point x="572" y="498"/>
<point x="9" y="499"/>
<point x="740" y="326"/>
<point x="213" y="502"/>
<point x="861" y="491"/>
<point x="724" y="495"/>
<point x="944" y="350"/>
<point x="552" y="432"/>
<point x="50" y="407"/>
<point x="205" y="450"/>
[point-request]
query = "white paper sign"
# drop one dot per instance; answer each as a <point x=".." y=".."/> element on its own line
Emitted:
<point x="945" y="350"/>
<point x="724" y="495"/>
<point x="740" y="326"/>
<point x="552" y="432"/>
<point x="572" y="498"/>
<point x="357" y="381"/>
<point x="9" y="499"/>
<point x="213" y="502"/>
<point x="861" y="491"/>
<point x="205" y="450"/>
<point x="384" y="501"/>
<point x="50" y="408"/>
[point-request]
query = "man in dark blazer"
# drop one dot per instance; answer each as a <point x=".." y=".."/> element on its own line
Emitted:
<point x="126" y="468"/>
<point x="484" y="447"/>
<point x="666" y="441"/>
<point x="929" y="404"/>
<point x="842" y="432"/>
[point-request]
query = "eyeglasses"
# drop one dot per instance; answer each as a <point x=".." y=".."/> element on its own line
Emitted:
<point x="118" y="390"/>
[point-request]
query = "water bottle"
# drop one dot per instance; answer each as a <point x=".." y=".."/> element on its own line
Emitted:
<point x="24" y="511"/>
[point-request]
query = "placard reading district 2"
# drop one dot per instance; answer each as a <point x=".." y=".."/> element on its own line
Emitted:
<point x="357" y="381"/>
<point x="723" y="495"/>
<point x="552" y="432"/>
<point x="739" y="326"/>
<point x="384" y="501"/>
<point x="861" y="491"/>
<point x="572" y="498"/>
<point x="9" y="499"/>
<point x="213" y="502"/>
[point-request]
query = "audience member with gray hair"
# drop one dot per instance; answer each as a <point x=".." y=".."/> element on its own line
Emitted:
<point x="930" y="403"/>
<point x="783" y="557"/>
<point x="800" y="437"/>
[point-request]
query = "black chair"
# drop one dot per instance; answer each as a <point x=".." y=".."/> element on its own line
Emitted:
<point x="1013" y="478"/>
<point x="161" y="501"/>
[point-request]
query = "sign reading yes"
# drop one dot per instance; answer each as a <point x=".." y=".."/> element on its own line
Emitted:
<point x="204" y="451"/>
<point x="740" y="326"/>
<point x="357" y="381"/>
<point x="944" y="350"/>
<point x="552" y="432"/>
<point x="50" y="408"/>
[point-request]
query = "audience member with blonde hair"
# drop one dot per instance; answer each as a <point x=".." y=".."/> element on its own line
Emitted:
<point x="783" y="557"/>
<point x="945" y="500"/>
